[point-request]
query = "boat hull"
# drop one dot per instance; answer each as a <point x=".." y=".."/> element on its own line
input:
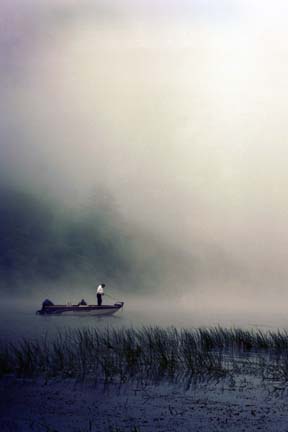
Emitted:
<point x="80" y="310"/>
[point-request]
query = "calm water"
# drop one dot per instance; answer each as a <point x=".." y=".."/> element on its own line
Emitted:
<point x="18" y="321"/>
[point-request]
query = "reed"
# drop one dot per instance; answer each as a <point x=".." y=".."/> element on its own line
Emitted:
<point x="149" y="353"/>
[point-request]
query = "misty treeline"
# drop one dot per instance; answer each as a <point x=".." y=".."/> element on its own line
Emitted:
<point x="41" y="238"/>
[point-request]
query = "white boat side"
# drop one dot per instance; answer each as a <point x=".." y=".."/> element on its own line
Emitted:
<point x="80" y="309"/>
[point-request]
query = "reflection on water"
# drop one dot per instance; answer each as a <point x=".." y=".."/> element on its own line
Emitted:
<point x="18" y="321"/>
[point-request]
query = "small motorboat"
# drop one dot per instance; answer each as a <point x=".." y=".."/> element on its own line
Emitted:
<point x="48" y="308"/>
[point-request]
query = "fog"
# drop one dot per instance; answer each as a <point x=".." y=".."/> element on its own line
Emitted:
<point x="175" y="111"/>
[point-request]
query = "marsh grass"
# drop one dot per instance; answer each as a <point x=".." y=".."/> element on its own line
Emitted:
<point x="149" y="353"/>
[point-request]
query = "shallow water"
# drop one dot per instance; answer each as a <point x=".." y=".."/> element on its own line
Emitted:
<point x="20" y="321"/>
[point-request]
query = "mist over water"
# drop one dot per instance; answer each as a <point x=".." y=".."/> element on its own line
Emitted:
<point x="18" y="320"/>
<point x="145" y="144"/>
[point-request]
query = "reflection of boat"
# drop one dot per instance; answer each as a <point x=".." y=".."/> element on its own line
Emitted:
<point x="48" y="308"/>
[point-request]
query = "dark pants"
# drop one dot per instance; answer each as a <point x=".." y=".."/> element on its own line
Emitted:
<point x="99" y="299"/>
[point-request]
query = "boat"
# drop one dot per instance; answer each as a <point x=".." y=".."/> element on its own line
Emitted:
<point x="48" y="308"/>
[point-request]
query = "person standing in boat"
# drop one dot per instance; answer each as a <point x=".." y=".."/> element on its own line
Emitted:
<point x="100" y="293"/>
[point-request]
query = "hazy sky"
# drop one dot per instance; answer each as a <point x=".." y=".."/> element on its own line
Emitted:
<point x="178" y="107"/>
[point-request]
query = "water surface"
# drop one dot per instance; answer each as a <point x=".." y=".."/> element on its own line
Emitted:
<point x="18" y="320"/>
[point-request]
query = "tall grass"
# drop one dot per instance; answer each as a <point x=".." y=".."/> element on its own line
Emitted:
<point x="149" y="353"/>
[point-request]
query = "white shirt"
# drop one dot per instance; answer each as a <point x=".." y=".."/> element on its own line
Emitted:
<point x="100" y="290"/>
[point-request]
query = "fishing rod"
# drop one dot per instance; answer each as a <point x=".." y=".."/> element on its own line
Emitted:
<point x="108" y="295"/>
<point x="117" y="301"/>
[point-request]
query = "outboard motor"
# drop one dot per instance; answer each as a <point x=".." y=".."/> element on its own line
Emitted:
<point x="47" y="302"/>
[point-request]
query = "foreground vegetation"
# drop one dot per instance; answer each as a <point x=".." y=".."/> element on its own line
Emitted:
<point x="150" y="354"/>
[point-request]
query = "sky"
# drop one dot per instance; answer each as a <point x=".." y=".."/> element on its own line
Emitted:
<point x="177" y="108"/>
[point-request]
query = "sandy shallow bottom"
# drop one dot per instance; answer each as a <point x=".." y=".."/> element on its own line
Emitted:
<point x="244" y="404"/>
